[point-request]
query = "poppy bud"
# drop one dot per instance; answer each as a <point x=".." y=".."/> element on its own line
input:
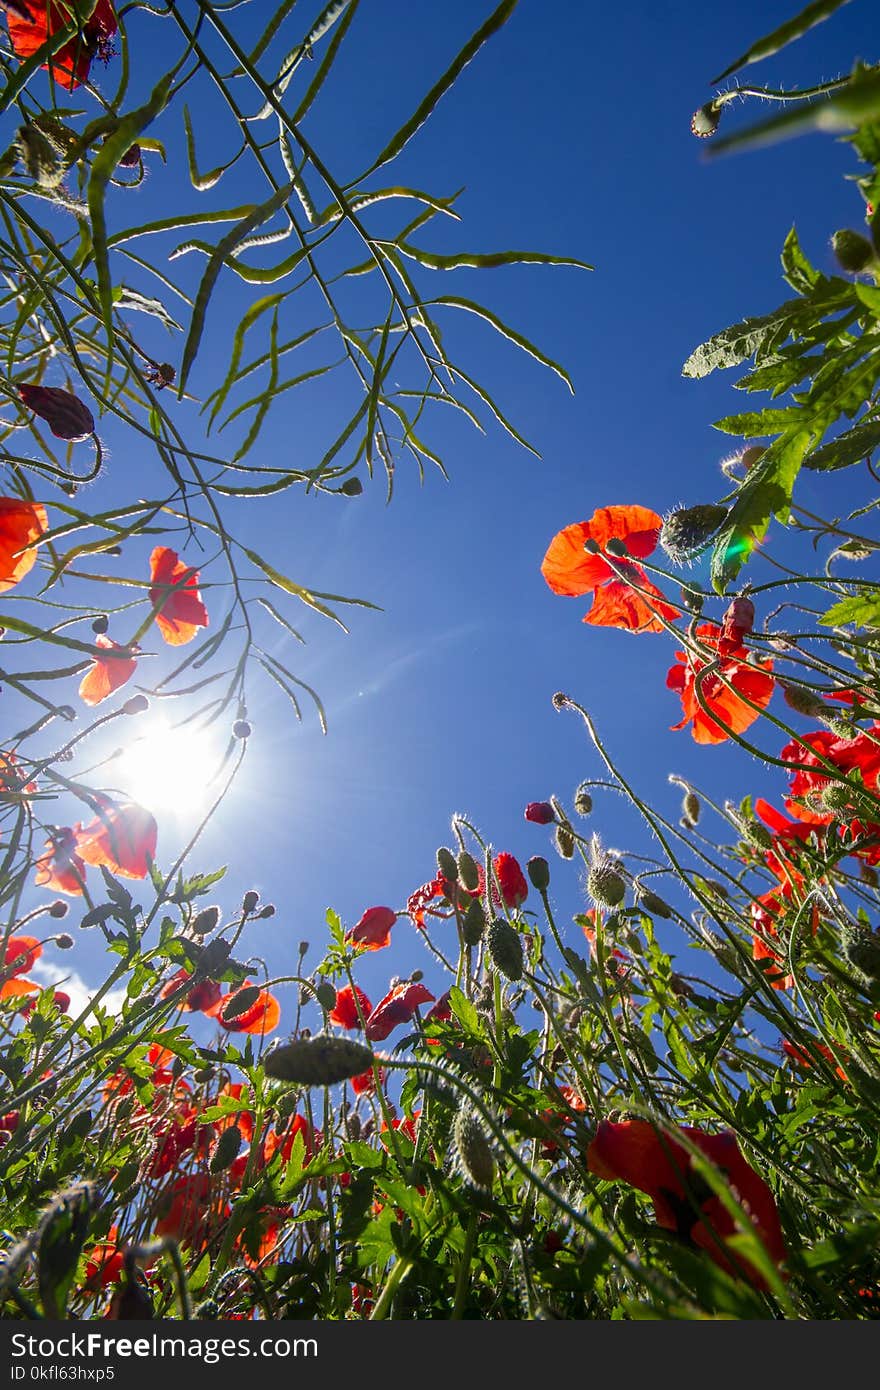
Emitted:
<point x="468" y="873"/>
<point x="239" y="1002"/>
<point x="802" y="700"/>
<point x="861" y="946"/>
<point x="836" y="798"/>
<point x="249" y="901"/>
<point x="447" y="865"/>
<point x="565" y="841"/>
<point x="538" y="871"/>
<point x="101" y="624"/>
<point x="685" y="533"/>
<point x="704" y="121"/>
<point x="583" y="802"/>
<point x="66" y="415"/>
<point x="473" y="1151"/>
<point x="560" y="699"/>
<point x="320" y="1061"/>
<point x="605" y="885"/>
<point x="615" y="547"/>
<point x="131" y="159"/>
<point x="241" y="729"/>
<point x="505" y="949"/>
<point x="416" y="976"/>
<point x="59" y="908"/>
<point x="40" y="157"/>
<point x="267" y="911"/>
<point x="654" y="904"/>
<point x="325" y="993"/>
<point x="691" y="807"/>
<point x="64" y="941"/>
<point x="205" y="921"/>
<point x="473" y="924"/>
<point x="854" y="252"/>
<point x="539" y="812"/>
<point x="137" y="704"/>
<point x="227" y="1150"/>
<point x="352" y="487"/>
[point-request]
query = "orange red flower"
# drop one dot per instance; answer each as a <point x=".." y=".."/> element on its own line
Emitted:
<point x="345" y="1010"/>
<point x="510" y="879"/>
<point x="21" y="526"/>
<point x="398" y="1006"/>
<point x="175" y="586"/>
<point x="730" y="677"/>
<point x="71" y="63"/>
<point x="635" y="1152"/>
<point x="262" y="1016"/>
<point x="60" y="866"/>
<point x="107" y="673"/>
<point x="373" y="931"/>
<point x="122" y="836"/>
<point x="571" y="570"/>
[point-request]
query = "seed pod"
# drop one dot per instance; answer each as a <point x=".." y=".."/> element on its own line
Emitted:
<point x="326" y="995"/>
<point x="40" y="157"/>
<point x="240" y="1001"/>
<point x="227" y="1150"/>
<point x="505" y="949"/>
<point x="564" y="841"/>
<point x="473" y="923"/>
<point x="66" y="415"/>
<point x="319" y="1061"/>
<point x="802" y="700"/>
<point x="654" y="904"/>
<point x="605" y="885"/>
<point x="583" y="802"/>
<point x="352" y="487"/>
<point x="691" y="807"/>
<point x="473" y="1151"/>
<point x="447" y="865"/>
<point x="468" y="873"/>
<point x="704" y="121"/>
<point x="685" y="533"/>
<point x="538" y="871"/>
<point x="854" y="252"/>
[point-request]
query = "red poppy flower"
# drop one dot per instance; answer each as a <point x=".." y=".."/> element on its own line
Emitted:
<point x="373" y="931"/>
<point x="569" y="569"/>
<point x="737" y="623"/>
<point x="182" y="612"/>
<point x="283" y="1143"/>
<point x="12" y="779"/>
<point x="733" y="715"/>
<point x="511" y="881"/>
<point x="107" y="673"/>
<point x="365" y="1084"/>
<point x="71" y="63"/>
<point x="20" y="954"/>
<point x="190" y="1212"/>
<point x="122" y="836"/>
<point x="105" y="1262"/>
<point x="539" y="813"/>
<point x="398" y="1006"/>
<point x="345" y="1010"/>
<point x="813" y="752"/>
<point x="800" y="1058"/>
<point x="59" y="866"/>
<point x="204" y="997"/>
<point x="21" y="526"/>
<point x="633" y="1151"/>
<point x="262" y="1016"/>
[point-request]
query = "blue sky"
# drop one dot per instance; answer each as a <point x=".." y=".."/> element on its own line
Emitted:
<point x="570" y="134"/>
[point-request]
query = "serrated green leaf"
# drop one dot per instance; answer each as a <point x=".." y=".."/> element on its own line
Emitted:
<point x="862" y="610"/>
<point x="849" y="448"/>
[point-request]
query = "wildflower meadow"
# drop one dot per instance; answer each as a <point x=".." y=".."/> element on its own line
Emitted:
<point x="559" y="1076"/>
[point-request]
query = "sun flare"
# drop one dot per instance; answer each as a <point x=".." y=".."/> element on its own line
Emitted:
<point x="168" y="769"/>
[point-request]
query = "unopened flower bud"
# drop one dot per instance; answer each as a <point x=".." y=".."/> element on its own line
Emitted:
<point x="505" y="949"/>
<point x="653" y="904"/>
<point x="137" y="704"/>
<point x="802" y="700"/>
<point x="583" y="802"/>
<point x="319" y="1061"/>
<point x="64" y="413"/>
<point x="101" y="623"/>
<point x="205" y="921"/>
<point x="416" y="976"/>
<point x="539" y="812"/>
<point x="473" y="923"/>
<point x="605" y="885"/>
<point x="685" y="533"/>
<point x="64" y="941"/>
<point x="691" y="807"/>
<point x="249" y="901"/>
<point x="564" y="839"/>
<point x="853" y="251"/>
<point x="352" y="487"/>
<point x="447" y="865"/>
<point x="267" y="911"/>
<point x="473" y="1151"/>
<point x="241" y="729"/>
<point x="538" y="871"/>
<point x="468" y="873"/>
<point x="59" y="908"/>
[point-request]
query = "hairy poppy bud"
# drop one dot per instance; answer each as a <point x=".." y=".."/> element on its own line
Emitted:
<point x="136" y="705"/>
<point x="861" y="946"/>
<point x="101" y="624"/>
<point x="854" y="252"/>
<point x="241" y="729"/>
<point x="605" y="885"/>
<point x="59" y="908"/>
<point x="704" y="122"/>
<point x="205" y="921"/>
<point x="249" y="901"/>
<point x="131" y="159"/>
<point x="650" y="902"/>
<point x="325" y="993"/>
<point x="468" y="872"/>
<point x="267" y="911"/>
<point x="685" y="533"/>
<point x="64" y="941"/>
<point x="837" y="798"/>
<point x="473" y="924"/>
<point x="40" y="157"/>
<point x="565" y="841"/>
<point x="66" y="415"/>
<point x="446" y="863"/>
<point x="320" y="1061"/>
<point x="583" y="802"/>
<point x="538" y="871"/>
<point x="539" y="813"/>
<point x="473" y="1152"/>
<point x="352" y="487"/>
<point x="505" y="949"/>
<point x="691" y="808"/>
<point x="802" y="700"/>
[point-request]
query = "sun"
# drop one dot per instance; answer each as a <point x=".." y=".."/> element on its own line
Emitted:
<point x="171" y="769"/>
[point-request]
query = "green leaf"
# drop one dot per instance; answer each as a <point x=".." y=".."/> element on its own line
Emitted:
<point x="765" y="492"/>
<point x="851" y="447"/>
<point x="787" y="33"/>
<point x="743" y="340"/>
<point x="455" y="302"/>
<point x="464" y="1011"/>
<point x="863" y="610"/>
<point x="797" y="269"/>
<point x="488" y="260"/>
<point x="496" y="19"/>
